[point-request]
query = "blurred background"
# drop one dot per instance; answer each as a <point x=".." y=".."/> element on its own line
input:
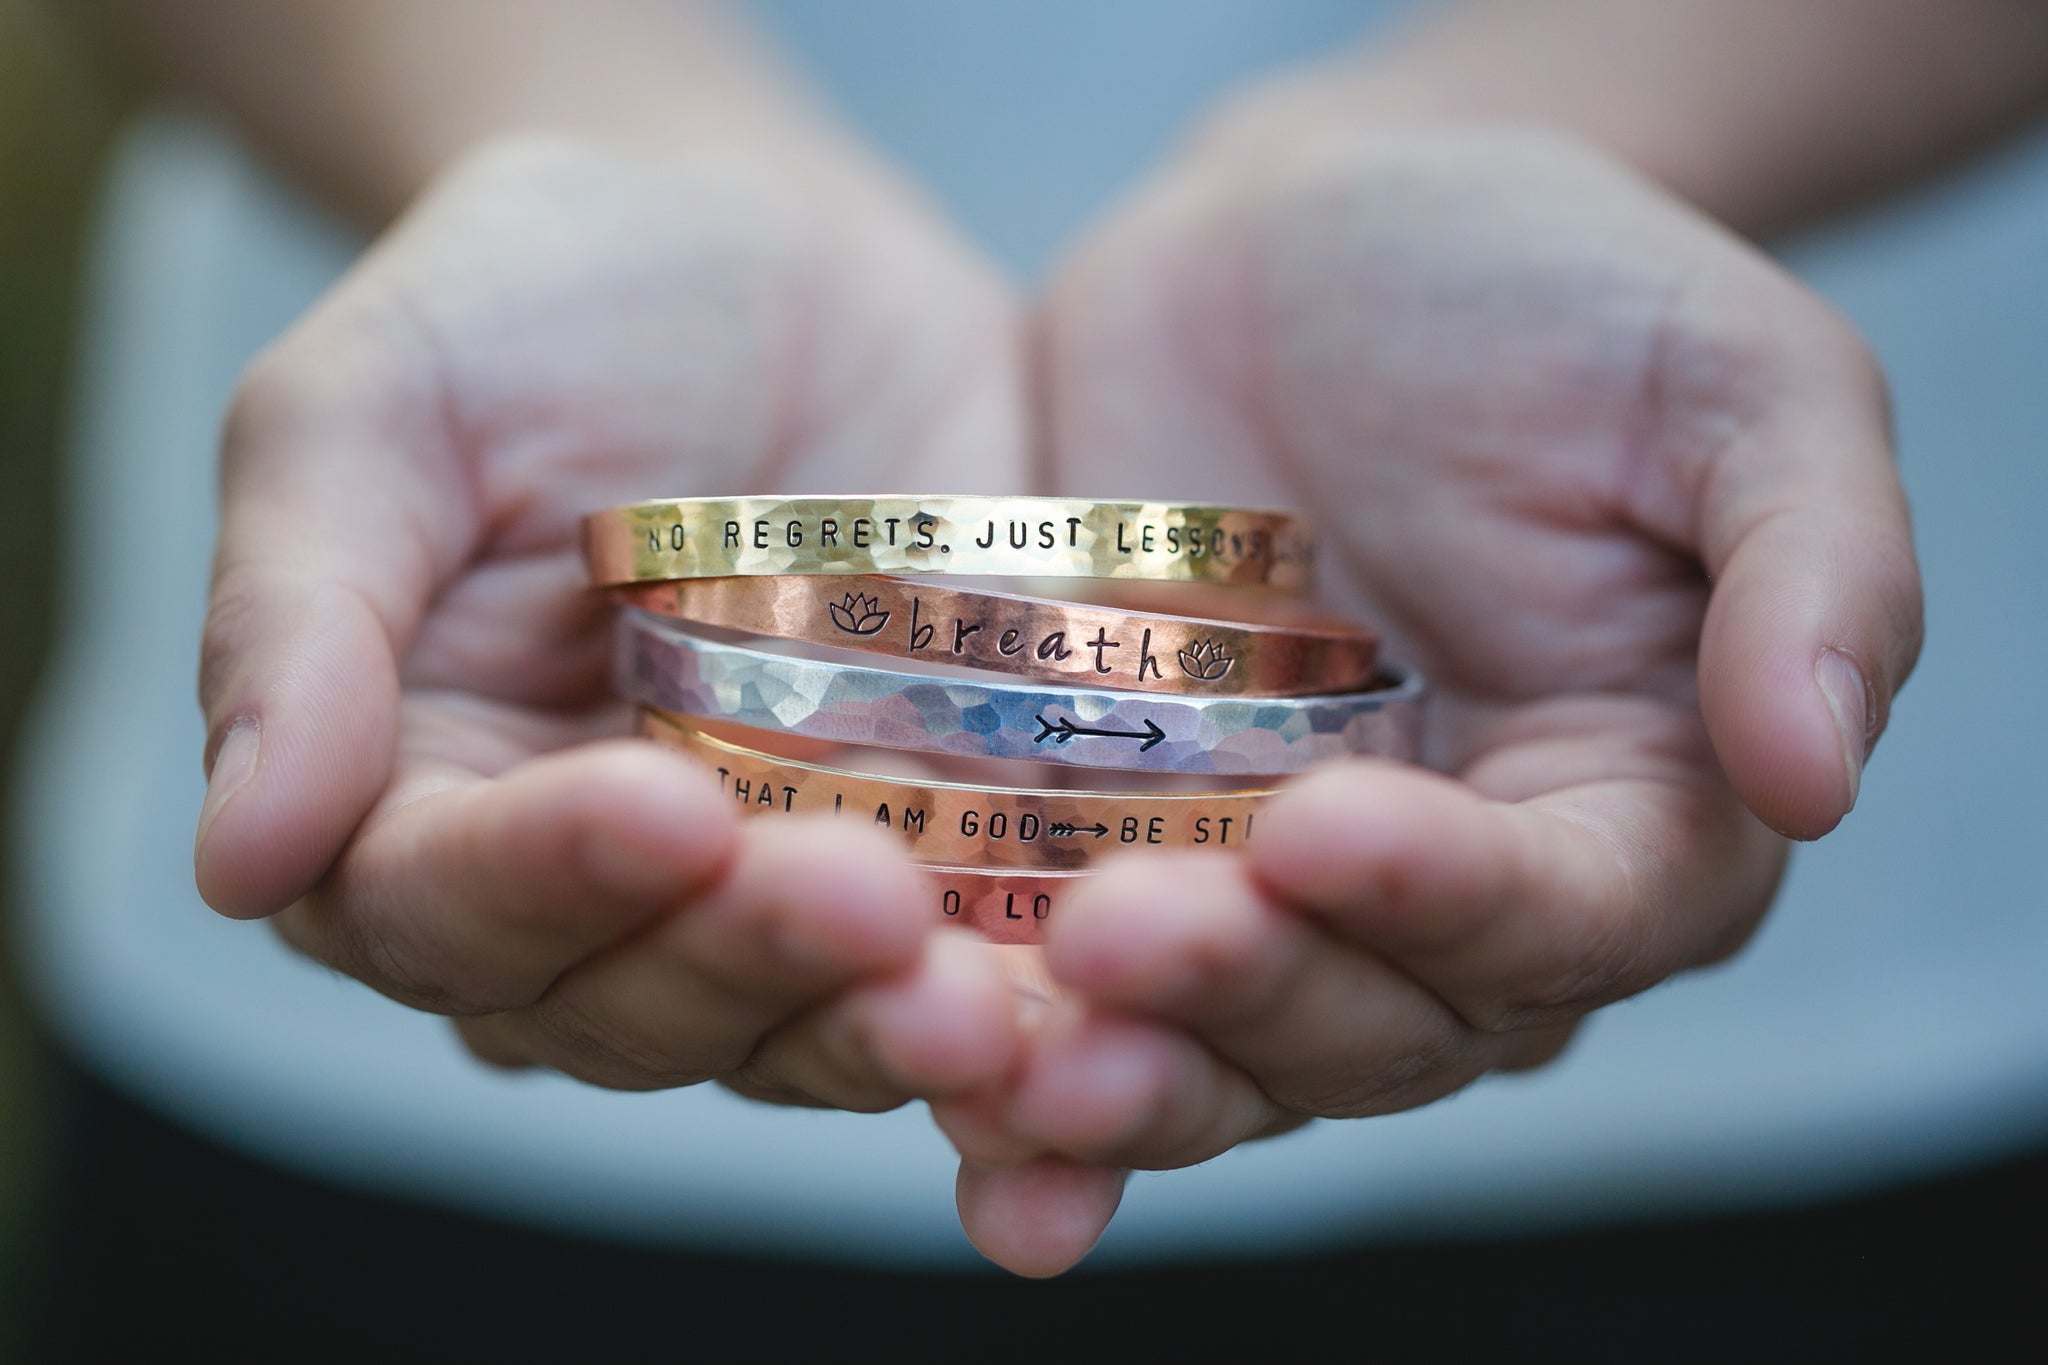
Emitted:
<point x="54" y="129"/>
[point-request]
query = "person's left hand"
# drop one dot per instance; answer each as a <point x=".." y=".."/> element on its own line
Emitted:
<point x="1617" y="484"/>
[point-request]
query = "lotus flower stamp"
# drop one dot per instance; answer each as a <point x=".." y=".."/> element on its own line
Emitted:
<point x="1206" y="661"/>
<point x="858" y="614"/>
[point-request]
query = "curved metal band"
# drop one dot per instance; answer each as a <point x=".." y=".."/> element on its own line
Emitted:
<point x="903" y="534"/>
<point x="661" y="664"/>
<point x="1029" y="637"/>
<point x="1001" y="906"/>
<point x="965" y="826"/>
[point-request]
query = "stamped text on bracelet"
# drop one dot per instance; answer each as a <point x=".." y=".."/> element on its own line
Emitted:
<point x="704" y="537"/>
<point x="969" y="826"/>
<point x="1026" y="636"/>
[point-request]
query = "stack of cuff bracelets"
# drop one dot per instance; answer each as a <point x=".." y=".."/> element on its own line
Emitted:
<point x="1030" y="678"/>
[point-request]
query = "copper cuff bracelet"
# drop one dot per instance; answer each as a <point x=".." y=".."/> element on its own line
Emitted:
<point x="1071" y="643"/>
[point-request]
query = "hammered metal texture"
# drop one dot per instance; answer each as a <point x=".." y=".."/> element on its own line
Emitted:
<point x="1070" y="643"/>
<point x="660" y="664"/>
<point x="965" y="826"/>
<point x="905" y="534"/>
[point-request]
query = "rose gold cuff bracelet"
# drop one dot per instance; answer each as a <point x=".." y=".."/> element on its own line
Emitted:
<point x="1029" y="637"/>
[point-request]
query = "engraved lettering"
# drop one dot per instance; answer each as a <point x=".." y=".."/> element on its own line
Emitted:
<point x="1121" y="546"/>
<point x="1145" y="659"/>
<point x="1054" y="646"/>
<point x="1009" y="643"/>
<point x="1046" y="539"/>
<point x="950" y="903"/>
<point x="1020" y="535"/>
<point x="760" y="534"/>
<point x="1073" y="533"/>
<point x="794" y="534"/>
<point x="1010" y="905"/>
<point x="890" y="522"/>
<point x="1027" y="827"/>
<point x="828" y="532"/>
<point x="925" y="533"/>
<point x="861" y="527"/>
<point x="913" y="820"/>
<point x="1145" y="538"/>
<point x="1100" y="643"/>
<point x="961" y="630"/>
<point x="920" y="635"/>
<point x="985" y="541"/>
<point x="732" y="535"/>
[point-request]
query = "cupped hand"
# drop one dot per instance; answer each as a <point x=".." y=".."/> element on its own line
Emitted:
<point x="1617" y="484"/>
<point x="400" y="657"/>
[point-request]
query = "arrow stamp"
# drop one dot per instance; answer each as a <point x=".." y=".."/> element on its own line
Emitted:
<point x="1062" y="730"/>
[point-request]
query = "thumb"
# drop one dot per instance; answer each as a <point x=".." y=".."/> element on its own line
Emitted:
<point x="1815" y="616"/>
<point x="333" y="537"/>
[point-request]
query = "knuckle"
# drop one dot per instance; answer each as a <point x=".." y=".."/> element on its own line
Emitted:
<point x="1600" y="964"/>
<point x="606" y="1052"/>
<point x="1432" y="1064"/>
<point x="231" y="617"/>
<point x="319" y="927"/>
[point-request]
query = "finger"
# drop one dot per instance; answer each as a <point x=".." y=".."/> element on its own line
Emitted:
<point x="945" y="1025"/>
<point x="476" y="897"/>
<point x="1521" y="915"/>
<point x="1815" y="617"/>
<point x="1122" y="1091"/>
<point x="977" y="1123"/>
<point x="807" y="908"/>
<point x="1037" y="1219"/>
<point x="340" y="513"/>
<point x="1131" y="373"/>
<point x="1322" y="1026"/>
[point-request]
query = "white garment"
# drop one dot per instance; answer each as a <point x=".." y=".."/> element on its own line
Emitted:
<point x="1889" y="1020"/>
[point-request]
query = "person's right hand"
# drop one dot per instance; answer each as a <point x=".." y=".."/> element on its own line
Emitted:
<point x="399" y="650"/>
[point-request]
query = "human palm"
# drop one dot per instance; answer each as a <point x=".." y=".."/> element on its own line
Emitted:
<point x="1536" y="410"/>
<point x="1614" y="483"/>
<point x="401" y="655"/>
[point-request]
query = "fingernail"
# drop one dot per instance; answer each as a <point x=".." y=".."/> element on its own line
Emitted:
<point x="1854" y="709"/>
<point x="233" y="764"/>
